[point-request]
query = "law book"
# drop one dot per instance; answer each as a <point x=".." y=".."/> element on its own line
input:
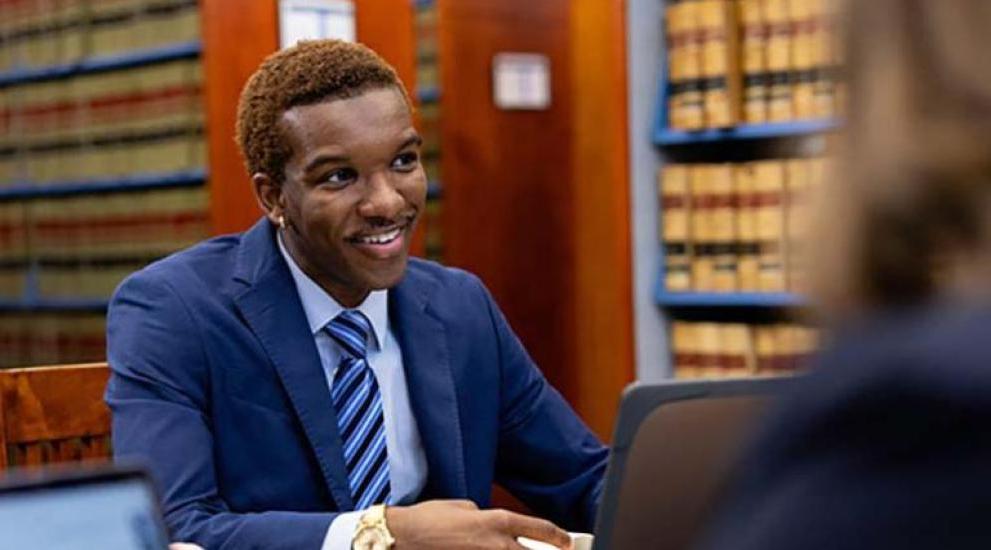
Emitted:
<point x="674" y="183"/>
<point x="721" y="74"/>
<point x="769" y="178"/>
<point x="722" y="233"/>
<point x="686" y="100"/>
<point x="702" y="224"/>
<point x="747" y="241"/>
<point x="804" y="62"/>
<point x="753" y="37"/>
<point x="765" y="350"/>
<point x="827" y="60"/>
<point x="738" y="357"/>
<point x="710" y="347"/>
<point x="676" y="29"/>
<point x="779" y="60"/>
<point x="684" y="350"/>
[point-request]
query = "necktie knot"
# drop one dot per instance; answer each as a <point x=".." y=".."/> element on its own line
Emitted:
<point x="350" y="329"/>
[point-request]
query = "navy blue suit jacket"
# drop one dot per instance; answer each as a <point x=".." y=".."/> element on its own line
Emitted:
<point x="887" y="445"/>
<point x="217" y="385"/>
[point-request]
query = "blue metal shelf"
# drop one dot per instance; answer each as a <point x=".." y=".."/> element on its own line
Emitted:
<point x="666" y="137"/>
<point x="729" y="299"/>
<point x="428" y="95"/>
<point x="55" y="304"/>
<point x="189" y="178"/>
<point x="127" y="60"/>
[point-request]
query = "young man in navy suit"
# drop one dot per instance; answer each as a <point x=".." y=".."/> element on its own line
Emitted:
<point x="305" y="385"/>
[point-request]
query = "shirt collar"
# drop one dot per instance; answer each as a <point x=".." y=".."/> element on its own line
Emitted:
<point x="321" y="308"/>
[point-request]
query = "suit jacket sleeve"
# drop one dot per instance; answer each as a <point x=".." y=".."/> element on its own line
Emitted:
<point x="159" y="393"/>
<point x="547" y="457"/>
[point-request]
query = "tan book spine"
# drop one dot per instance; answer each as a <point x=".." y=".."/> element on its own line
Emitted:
<point x="779" y="60"/>
<point x="753" y="32"/>
<point x="703" y="264"/>
<point x="675" y="193"/>
<point x="785" y="341"/>
<point x="770" y="182"/>
<point x="737" y="360"/>
<point x="748" y="261"/>
<point x="676" y="31"/>
<point x="710" y="349"/>
<point x="684" y="350"/>
<point x="723" y="85"/>
<point x="692" y="102"/>
<point x="825" y="59"/>
<point x="723" y="228"/>
<point x="804" y="61"/>
<point x="765" y="346"/>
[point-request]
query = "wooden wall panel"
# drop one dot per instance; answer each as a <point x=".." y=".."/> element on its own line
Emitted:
<point x="537" y="203"/>
<point x="600" y="172"/>
<point x="237" y="36"/>
<point x="508" y="212"/>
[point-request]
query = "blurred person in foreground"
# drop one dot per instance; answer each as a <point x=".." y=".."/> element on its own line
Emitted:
<point x="305" y="385"/>
<point x="888" y="443"/>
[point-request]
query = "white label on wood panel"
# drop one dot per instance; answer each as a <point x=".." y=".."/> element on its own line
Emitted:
<point x="313" y="19"/>
<point x="521" y="81"/>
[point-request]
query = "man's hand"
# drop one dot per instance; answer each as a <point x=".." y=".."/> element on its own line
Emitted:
<point x="460" y="524"/>
<point x="183" y="546"/>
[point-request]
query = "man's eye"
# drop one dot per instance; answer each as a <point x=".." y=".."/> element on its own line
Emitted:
<point x="340" y="176"/>
<point x="405" y="161"/>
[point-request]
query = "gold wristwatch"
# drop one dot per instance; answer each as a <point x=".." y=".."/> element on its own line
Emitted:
<point x="372" y="533"/>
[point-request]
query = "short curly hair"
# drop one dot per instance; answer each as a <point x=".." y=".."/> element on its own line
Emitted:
<point x="309" y="72"/>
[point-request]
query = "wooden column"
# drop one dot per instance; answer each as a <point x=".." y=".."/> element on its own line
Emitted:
<point x="536" y="202"/>
<point x="237" y="36"/>
<point x="601" y="186"/>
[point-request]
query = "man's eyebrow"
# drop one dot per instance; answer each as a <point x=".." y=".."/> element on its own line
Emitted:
<point x="415" y="139"/>
<point x="325" y="159"/>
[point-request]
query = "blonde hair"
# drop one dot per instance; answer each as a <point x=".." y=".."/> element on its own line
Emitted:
<point x="915" y="178"/>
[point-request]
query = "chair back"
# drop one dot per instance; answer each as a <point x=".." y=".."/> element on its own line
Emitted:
<point x="53" y="414"/>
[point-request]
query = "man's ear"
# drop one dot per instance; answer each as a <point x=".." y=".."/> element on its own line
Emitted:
<point x="269" y="196"/>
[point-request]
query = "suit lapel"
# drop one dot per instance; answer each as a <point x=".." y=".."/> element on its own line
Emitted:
<point x="433" y="397"/>
<point x="270" y="305"/>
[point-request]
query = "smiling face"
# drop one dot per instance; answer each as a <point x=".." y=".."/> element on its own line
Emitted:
<point x="352" y="191"/>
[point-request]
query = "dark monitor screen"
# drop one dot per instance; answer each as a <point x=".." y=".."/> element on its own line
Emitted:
<point x="110" y="512"/>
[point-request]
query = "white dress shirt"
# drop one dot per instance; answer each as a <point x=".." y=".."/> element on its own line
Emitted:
<point x="407" y="460"/>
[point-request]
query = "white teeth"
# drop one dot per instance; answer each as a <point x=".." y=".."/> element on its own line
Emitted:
<point x="382" y="238"/>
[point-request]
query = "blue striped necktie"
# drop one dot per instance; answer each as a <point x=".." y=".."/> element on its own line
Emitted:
<point x="358" y="403"/>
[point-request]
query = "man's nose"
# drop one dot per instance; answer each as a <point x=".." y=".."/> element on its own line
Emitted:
<point x="382" y="198"/>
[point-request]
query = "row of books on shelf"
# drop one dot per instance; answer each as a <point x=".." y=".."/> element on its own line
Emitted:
<point x="733" y="62"/>
<point x="736" y="227"/>
<point x="40" y="33"/>
<point x="143" y="120"/>
<point x="84" y="246"/>
<point x="426" y="46"/>
<point x="51" y="338"/>
<point x="429" y="122"/>
<point x="728" y="350"/>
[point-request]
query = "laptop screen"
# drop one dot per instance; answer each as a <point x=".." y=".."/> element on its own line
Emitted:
<point x="106" y="512"/>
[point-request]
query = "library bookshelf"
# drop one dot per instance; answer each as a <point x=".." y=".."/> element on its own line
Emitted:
<point x="698" y="168"/>
<point x="116" y="149"/>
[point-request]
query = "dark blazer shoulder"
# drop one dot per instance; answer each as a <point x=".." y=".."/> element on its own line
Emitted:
<point x="206" y="265"/>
